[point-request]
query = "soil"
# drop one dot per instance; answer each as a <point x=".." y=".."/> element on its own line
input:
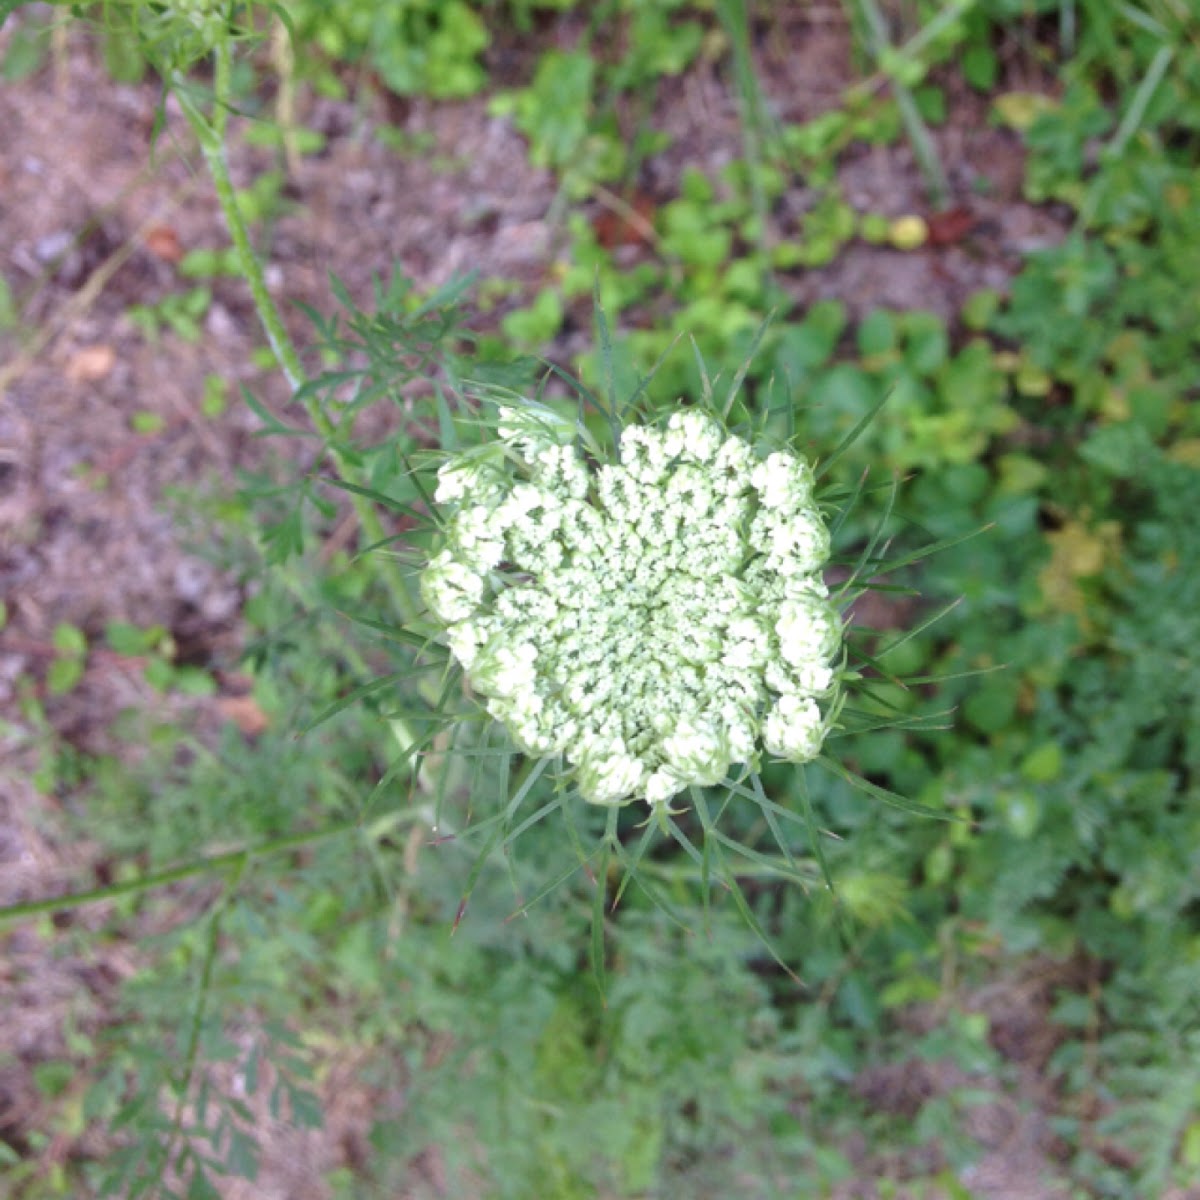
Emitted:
<point x="101" y="425"/>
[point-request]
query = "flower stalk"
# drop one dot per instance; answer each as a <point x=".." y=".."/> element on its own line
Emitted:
<point x="210" y="134"/>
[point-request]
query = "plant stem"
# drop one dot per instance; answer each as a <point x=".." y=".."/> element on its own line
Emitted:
<point x="757" y="131"/>
<point x="235" y="859"/>
<point x="210" y="133"/>
<point x="1136" y="112"/>
<point x="211" y="136"/>
<point x="919" y="136"/>
<point x="192" y="1053"/>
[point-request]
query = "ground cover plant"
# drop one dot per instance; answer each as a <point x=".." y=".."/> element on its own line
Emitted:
<point x="389" y="926"/>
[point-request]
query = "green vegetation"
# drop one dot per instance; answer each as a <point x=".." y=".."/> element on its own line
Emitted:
<point x="1016" y="795"/>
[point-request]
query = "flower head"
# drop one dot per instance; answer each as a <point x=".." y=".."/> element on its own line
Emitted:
<point x="654" y="620"/>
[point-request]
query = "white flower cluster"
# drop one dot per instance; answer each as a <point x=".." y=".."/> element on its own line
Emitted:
<point x="655" y="620"/>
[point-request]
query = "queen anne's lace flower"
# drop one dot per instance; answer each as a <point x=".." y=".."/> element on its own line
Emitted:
<point x="654" y="621"/>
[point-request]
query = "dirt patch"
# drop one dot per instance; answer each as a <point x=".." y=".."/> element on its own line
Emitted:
<point x="1008" y="1116"/>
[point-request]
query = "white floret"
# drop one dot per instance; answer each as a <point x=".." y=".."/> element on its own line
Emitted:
<point x="798" y="545"/>
<point x="465" y="640"/>
<point x="694" y="435"/>
<point x="451" y="589"/>
<point x="476" y="538"/>
<point x="505" y="670"/>
<point x="808" y="630"/>
<point x="697" y="751"/>
<point x="733" y="465"/>
<point x="783" y="482"/>
<point x="559" y="470"/>
<point x="794" y="729"/>
<point x="643" y="454"/>
<point x="608" y="773"/>
<point x="662" y="785"/>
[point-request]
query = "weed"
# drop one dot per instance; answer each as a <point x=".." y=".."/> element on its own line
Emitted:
<point x="324" y="857"/>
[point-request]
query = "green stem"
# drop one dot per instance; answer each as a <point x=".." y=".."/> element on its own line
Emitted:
<point x="210" y="133"/>
<point x="235" y="859"/>
<point x="192" y="1053"/>
<point x="919" y="136"/>
<point x="1136" y="112"/>
<point x="211" y="136"/>
<point x="925" y="151"/>
<point x="757" y="132"/>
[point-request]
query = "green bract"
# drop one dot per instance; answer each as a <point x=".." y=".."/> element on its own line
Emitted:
<point x="654" y="620"/>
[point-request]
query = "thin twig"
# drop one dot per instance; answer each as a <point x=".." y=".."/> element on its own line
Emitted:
<point x="210" y="133"/>
<point x="924" y="149"/>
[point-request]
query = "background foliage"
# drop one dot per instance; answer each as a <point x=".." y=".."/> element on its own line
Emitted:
<point x="1062" y="416"/>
